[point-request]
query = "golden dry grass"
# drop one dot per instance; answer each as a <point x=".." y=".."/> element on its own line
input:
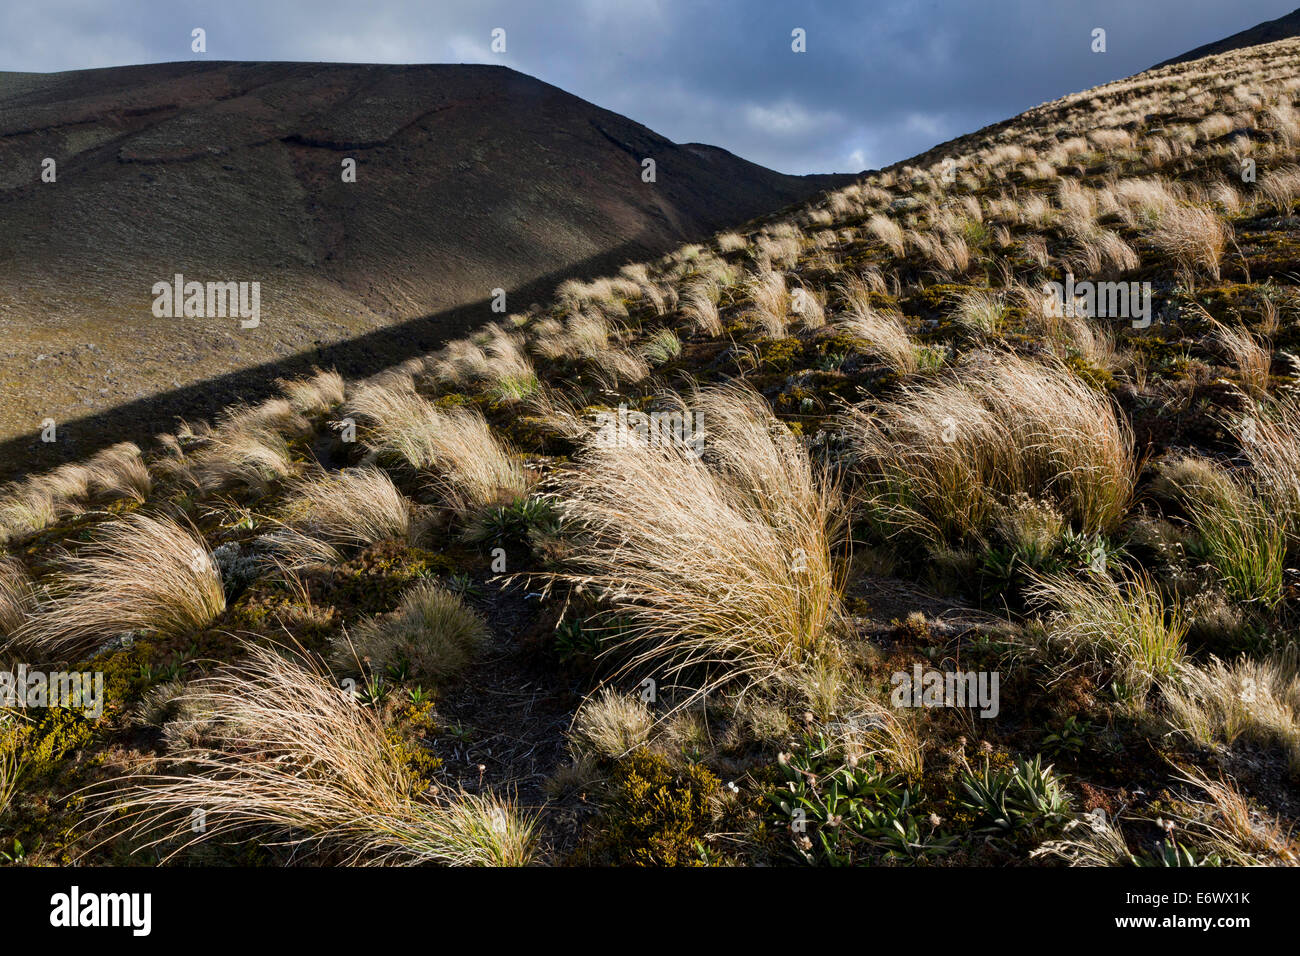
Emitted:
<point x="942" y="458"/>
<point x="721" y="566"/>
<point x="291" y="760"/>
<point x="432" y="632"/>
<point x="141" y="573"/>
<point x="356" y="506"/>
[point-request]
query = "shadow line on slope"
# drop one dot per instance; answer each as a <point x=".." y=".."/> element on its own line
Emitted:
<point x="139" y="420"/>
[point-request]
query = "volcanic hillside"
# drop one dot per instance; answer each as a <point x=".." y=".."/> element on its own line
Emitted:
<point x="469" y="178"/>
<point x="885" y="447"/>
<point x="1270" y="31"/>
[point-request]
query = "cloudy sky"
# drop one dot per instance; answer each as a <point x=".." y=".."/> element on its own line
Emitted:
<point x="879" y="81"/>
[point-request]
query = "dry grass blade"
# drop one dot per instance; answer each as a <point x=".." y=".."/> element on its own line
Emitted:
<point x="943" y="458"/>
<point x="1194" y="237"/>
<point x="1124" y="626"/>
<point x="357" y="506"/>
<point x="140" y="573"/>
<point x="1255" y="700"/>
<point x="17" y="601"/>
<point x="721" y="566"/>
<point x="473" y="469"/>
<point x="884" y="331"/>
<point x="290" y="759"/>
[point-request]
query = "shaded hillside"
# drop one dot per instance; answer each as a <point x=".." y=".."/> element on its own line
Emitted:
<point x="469" y="178"/>
<point x="1270" y="31"/>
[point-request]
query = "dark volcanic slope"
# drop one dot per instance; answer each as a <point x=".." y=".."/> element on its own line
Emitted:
<point x="469" y="178"/>
<point x="1283" y="28"/>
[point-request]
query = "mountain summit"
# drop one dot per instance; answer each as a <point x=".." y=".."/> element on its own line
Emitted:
<point x="1270" y="31"/>
<point x="468" y="179"/>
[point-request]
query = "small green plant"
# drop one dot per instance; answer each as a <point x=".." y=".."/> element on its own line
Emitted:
<point x="399" y="670"/>
<point x="656" y="814"/>
<point x="458" y="732"/>
<point x="1027" y="797"/>
<point x="156" y="674"/>
<point x="16" y="855"/>
<point x="1069" y="738"/>
<point x="462" y="585"/>
<point x="373" y="692"/>
<point x="514" y="523"/>
<point x="841" y="811"/>
<point x="831" y="361"/>
<point x="576" y="644"/>
<point x="1172" y="853"/>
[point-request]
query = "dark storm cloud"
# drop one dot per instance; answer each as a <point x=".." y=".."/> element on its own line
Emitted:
<point x="879" y="81"/>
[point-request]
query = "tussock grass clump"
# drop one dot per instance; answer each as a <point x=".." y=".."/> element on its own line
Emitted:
<point x="615" y="366"/>
<point x="292" y="761"/>
<point x="771" y="302"/>
<point x="1242" y="537"/>
<point x="457" y="363"/>
<point x="700" y="309"/>
<point x="356" y="506"/>
<point x="1251" y="699"/>
<point x="730" y="242"/>
<point x="1143" y="201"/>
<point x="810" y="306"/>
<point x="248" y="447"/>
<point x="1270" y="440"/>
<point x="1233" y="831"/>
<point x="866" y="726"/>
<point x="1252" y="357"/>
<point x="943" y="458"/>
<point x="115" y="472"/>
<point x="13" y="760"/>
<point x="1122" y="625"/>
<point x="884" y="330"/>
<point x="1066" y="330"/>
<point x="473" y="469"/>
<point x="432" y="631"/>
<point x="587" y="334"/>
<point x="26" y="509"/>
<point x="314" y="394"/>
<point x="1101" y="251"/>
<point x="68" y="485"/>
<point x="663" y="346"/>
<point x="496" y="359"/>
<point x="889" y="232"/>
<point x="1193" y="236"/>
<point x="718" y="567"/>
<point x="982" y="313"/>
<point x="140" y="573"/>
<point x="1280" y="187"/>
<point x="611" y="724"/>
<point x="17" y="599"/>
<point x="509" y="368"/>
<point x="400" y="420"/>
<point x="120" y="472"/>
